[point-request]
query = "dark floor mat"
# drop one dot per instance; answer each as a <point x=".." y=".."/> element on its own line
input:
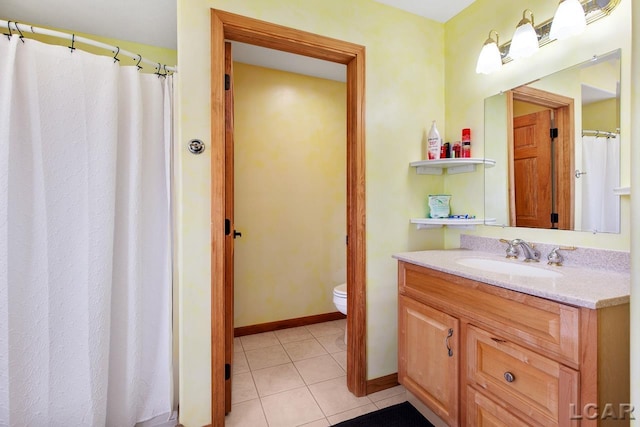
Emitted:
<point x="401" y="415"/>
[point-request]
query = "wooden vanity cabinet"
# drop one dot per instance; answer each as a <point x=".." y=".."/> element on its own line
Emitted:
<point x="482" y="355"/>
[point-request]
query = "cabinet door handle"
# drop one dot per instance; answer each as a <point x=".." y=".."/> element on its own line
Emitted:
<point x="509" y="377"/>
<point x="446" y="342"/>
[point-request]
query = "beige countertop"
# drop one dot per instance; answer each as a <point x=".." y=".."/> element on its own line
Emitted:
<point x="579" y="286"/>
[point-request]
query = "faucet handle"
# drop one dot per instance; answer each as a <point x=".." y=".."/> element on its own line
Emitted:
<point x="554" y="258"/>
<point x="512" y="249"/>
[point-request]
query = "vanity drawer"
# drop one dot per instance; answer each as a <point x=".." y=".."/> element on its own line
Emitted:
<point x="545" y="325"/>
<point x="535" y="386"/>
<point x="484" y="412"/>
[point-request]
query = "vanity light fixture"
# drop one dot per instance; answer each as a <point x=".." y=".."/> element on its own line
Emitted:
<point x="593" y="10"/>
<point x="569" y="20"/>
<point x="525" y="39"/>
<point x="490" y="59"/>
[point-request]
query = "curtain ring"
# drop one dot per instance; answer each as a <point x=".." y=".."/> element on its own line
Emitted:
<point x="138" y="63"/>
<point x="9" y="28"/>
<point x="73" y="42"/>
<point x="15" y="24"/>
<point x="115" y="57"/>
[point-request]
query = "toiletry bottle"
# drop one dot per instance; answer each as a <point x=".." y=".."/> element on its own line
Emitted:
<point x="433" y="142"/>
<point x="466" y="142"/>
<point x="455" y="150"/>
<point x="444" y="151"/>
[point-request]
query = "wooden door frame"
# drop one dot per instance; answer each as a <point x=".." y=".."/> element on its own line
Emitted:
<point x="232" y="27"/>
<point x="565" y="154"/>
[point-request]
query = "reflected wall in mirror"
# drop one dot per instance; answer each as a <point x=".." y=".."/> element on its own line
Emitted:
<point x="556" y="144"/>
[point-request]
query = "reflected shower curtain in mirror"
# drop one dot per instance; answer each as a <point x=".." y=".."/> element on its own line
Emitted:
<point x="85" y="251"/>
<point x="601" y="162"/>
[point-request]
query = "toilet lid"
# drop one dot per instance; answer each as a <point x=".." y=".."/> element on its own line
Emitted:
<point x="340" y="290"/>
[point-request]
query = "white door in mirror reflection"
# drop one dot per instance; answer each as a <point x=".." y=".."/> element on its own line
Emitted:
<point x="600" y="204"/>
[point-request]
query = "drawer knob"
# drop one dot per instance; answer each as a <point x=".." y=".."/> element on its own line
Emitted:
<point x="509" y="377"/>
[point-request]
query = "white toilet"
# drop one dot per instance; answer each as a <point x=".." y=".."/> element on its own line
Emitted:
<point x="340" y="301"/>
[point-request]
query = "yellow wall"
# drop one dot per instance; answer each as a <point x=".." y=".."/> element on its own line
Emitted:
<point x="522" y="108"/>
<point x="466" y="91"/>
<point x="602" y="115"/>
<point x="290" y="194"/>
<point x="404" y="93"/>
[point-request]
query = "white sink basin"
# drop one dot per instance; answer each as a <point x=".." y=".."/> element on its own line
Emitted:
<point x="514" y="268"/>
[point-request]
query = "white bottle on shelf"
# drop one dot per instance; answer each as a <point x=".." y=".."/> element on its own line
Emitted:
<point x="433" y="142"/>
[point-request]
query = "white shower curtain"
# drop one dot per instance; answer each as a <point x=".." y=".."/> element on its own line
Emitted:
<point x="85" y="255"/>
<point x="601" y="162"/>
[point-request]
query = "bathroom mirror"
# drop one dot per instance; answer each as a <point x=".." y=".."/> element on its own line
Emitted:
<point x="556" y="143"/>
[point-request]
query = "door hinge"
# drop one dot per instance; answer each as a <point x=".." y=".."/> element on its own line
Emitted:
<point x="553" y="133"/>
<point x="227" y="371"/>
<point x="554" y="217"/>
<point x="227" y="226"/>
<point x="346" y="240"/>
<point x="227" y="82"/>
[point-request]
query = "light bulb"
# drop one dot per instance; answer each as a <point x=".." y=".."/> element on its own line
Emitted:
<point x="568" y="20"/>
<point x="490" y="59"/>
<point x="525" y="39"/>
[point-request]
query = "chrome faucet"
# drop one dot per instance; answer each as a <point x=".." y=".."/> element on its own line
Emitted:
<point x="529" y="250"/>
<point x="555" y="258"/>
<point x="512" y="249"/>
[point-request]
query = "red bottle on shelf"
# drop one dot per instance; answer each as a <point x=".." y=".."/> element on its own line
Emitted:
<point x="466" y="143"/>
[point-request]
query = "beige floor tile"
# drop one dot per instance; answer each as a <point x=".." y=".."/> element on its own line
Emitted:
<point x="340" y="323"/>
<point x="334" y="397"/>
<point x="341" y="358"/>
<point x="240" y="364"/>
<point x="293" y="334"/>
<point x="306" y="349"/>
<point x="252" y="342"/>
<point x="243" y="388"/>
<point x="320" y="423"/>
<point x="387" y="393"/>
<point x="266" y="357"/>
<point x="237" y="345"/>
<point x="277" y="379"/>
<point x="317" y="369"/>
<point x="326" y="328"/>
<point x="393" y="400"/>
<point x="333" y="343"/>
<point x="352" y="413"/>
<point x="291" y="408"/>
<point x="246" y="414"/>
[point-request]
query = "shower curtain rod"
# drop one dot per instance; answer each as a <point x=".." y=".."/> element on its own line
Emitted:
<point x="16" y="27"/>
<point x="598" y="133"/>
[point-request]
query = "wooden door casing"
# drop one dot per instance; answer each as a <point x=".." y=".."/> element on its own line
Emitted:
<point x="227" y="26"/>
<point x="563" y="156"/>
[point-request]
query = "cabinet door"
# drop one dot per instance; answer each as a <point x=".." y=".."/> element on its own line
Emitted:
<point x="428" y="346"/>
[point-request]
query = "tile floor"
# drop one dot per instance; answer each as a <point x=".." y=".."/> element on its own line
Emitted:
<point x="297" y="377"/>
